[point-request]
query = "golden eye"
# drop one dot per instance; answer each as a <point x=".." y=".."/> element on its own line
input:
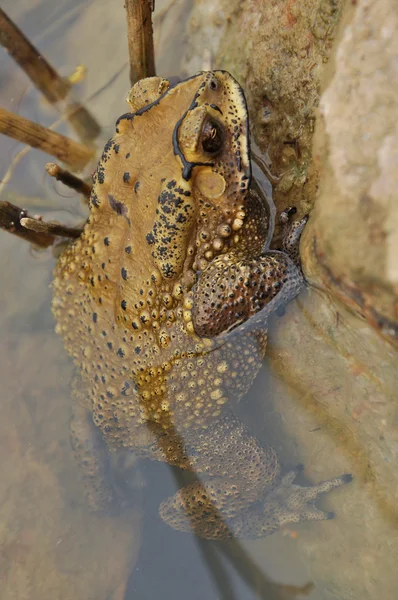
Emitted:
<point x="212" y="136"/>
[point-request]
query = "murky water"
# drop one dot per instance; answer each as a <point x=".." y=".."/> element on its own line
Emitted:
<point x="325" y="397"/>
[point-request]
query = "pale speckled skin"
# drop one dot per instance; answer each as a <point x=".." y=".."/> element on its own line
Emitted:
<point x="163" y="300"/>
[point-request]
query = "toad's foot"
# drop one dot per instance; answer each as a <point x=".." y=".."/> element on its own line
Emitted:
<point x="292" y="503"/>
<point x="292" y="231"/>
<point x="287" y="503"/>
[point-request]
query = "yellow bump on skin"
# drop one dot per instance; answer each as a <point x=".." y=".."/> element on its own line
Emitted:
<point x="224" y="230"/>
<point x="190" y="328"/>
<point x="186" y="316"/>
<point x="216" y="394"/>
<point x="188" y="303"/>
<point x="144" y="317"/>
<point x="209" y="255"/>
<point x="210" y="184"/>
<point x="222" y="367"/>
<point x="167" y="300"/>
<point x="237" y="224"/>
<point x="155" y="277"/>
<point x="218" y="244"/>
<point x="87" y="352"/>
<point x="177" y="291"/>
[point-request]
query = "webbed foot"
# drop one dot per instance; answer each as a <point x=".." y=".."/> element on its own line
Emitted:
<point x="292" y="503"/>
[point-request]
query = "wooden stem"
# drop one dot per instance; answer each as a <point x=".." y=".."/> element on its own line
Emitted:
<point x="54" y="87"/>
<point x="140" y="39"/>
<point x="39" y="226"/>
<point x="68" y="179"/>
<point x="72" y="153"/>
<point x="10" y="220"/>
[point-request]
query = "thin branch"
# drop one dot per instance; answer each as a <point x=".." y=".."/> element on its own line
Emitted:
<point x="68" y="179"/>
<point x="72" y="153"/>
<point x="140" y="39"/>
<point x="54" y="87"/>
<point x="45" y="78"/>
<point x="10" y="220"/>
<point x="39" y="226"/>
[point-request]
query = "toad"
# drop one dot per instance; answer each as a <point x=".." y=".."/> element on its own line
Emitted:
<point x="163" y="303"/>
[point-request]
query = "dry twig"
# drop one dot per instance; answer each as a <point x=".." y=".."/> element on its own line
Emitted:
<point x="54" y="87"/>
<point x="39" y="226"/>
<point x="72" y="153"/>
<point x="15" y="220"/>
<point x="10" y="220"/>
<point x="68" y="179"/>
<point x="140" y="39"/>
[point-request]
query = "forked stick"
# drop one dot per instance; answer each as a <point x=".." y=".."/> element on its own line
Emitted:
<point x="54" y="87"/>
<point x="140" y="39"/>
<point x="72" y="153"/>
<point x="15" y="220"/>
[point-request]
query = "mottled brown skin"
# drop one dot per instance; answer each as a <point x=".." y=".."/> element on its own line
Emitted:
<point x="163" y="303"/>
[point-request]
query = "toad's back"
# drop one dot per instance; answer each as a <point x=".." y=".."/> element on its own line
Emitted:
<point x="122" y="291"/>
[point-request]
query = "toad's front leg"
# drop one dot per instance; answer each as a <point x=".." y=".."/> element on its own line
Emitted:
<point x="238" y="287"/>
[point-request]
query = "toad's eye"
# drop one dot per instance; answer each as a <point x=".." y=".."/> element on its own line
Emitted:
<point x="212" y="136"/>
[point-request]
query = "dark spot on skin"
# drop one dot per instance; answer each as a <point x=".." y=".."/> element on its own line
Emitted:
<point x="215" y="107"/>
<point x="128" y="155"/>
<point x="94" y="200"/>
<point x="106" y="241"/>
<point x="136" y="186"/>
<point x="116" y="148"/>
<point x="124" y="273"/>
<point x="123" y="304"/>
<point x="120" y="352"/>
<point x="150" y="238"/>
<point x="118" y="207"/>
<point x="128" y="249"/>
<point x="125" y="388"/>
<point x="95" y="317"/>
<point x="126" y="177"/>
<point x="110" y="345"/>
<point x="137" y="349"/>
